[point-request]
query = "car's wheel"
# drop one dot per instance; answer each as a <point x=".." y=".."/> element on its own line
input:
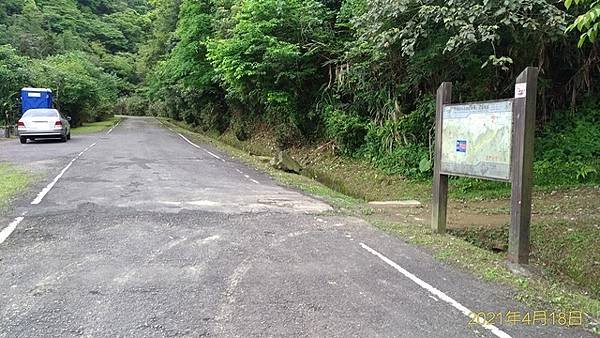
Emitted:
<point x="23" y="139"/>
<point x="63" y="138"/>
<point x="69" y="136"/>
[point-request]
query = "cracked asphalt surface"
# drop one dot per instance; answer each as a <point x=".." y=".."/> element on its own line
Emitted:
<point x="146" y="235"/>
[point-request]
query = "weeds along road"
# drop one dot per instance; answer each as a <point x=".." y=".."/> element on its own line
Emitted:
<point x="138" y="232"/>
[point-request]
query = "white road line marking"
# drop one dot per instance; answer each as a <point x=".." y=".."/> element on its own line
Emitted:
<point x="239" y="171"/>
<point x="213" y="155"/>
<point x="10" y="228"/>
<point x="88" y="148"/>
<point x="49" y="187"/>
<point x="210" y="239"/>
<point x="190" y="142"/>
<point x="111" y="129"/>
<point x="439" y="294"/>
<point x="6" y="232"/>
<point x="199" y="147"/>
<point x="251" y="179"/>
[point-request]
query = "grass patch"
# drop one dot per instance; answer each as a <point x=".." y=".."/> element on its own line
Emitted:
<point x="569" y="251"/>
<point x="95" y="127"/>
<point x="537" y="291"/>
<point x="12" y="181"/>
<point x="566" y="252"/>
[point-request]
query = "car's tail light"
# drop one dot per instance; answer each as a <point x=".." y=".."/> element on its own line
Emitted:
<point x="58" y="123"/>
<point x="20" y="124"/>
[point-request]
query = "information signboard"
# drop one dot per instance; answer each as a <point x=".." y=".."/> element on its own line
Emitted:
<point x="489" y="140"/>
<point x="477" y="139"/>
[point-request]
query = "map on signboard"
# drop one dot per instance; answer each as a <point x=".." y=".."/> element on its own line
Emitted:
<point x="476" y="139"/>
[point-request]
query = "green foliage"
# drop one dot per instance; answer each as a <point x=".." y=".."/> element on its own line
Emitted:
<point x="585" y="171"/>
<point x="578" y="142"/>
<point x="183" y="86"/>
<point x="362" y="72"/>
<point x="270" y="60"/>
<point x="132" y="106"/>
<point x="359" y="72"/>
<point x="164" y="17"/>
<point x="188" y="59"/>
<point x="240" y="129"/>
<point x="425" y="165"/>
<point x="568" y="150"/>
<point x="288" y="135"/>
<point x="402" y="49"/>
<point x="45" y="27"/>
<point x="587" y="23"/>
<point x="569" y="250"/>
<point x="347" y="130"/>
<point x="408" y="160"/>
<point x="397" y="146"/>
<point x="82" y="50"/>
<point x="464" y="23"/>
<point x="81" y="89"/>
<point x="14" y="74"/>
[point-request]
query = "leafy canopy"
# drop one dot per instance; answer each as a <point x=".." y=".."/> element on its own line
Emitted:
<point x="587" y="23"/>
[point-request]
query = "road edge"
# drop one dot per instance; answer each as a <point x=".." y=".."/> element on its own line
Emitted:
<point x="529" y="291"/>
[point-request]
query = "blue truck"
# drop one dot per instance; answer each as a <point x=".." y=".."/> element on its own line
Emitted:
<point x="32" y="98"/>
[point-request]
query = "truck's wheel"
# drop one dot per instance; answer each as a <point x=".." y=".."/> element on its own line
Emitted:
<point x="23" y="139"/>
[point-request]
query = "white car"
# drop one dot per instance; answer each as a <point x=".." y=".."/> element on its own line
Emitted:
<point x="43" y="123"/>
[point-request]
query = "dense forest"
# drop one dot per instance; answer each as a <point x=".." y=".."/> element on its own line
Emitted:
<point x="83" y="50"/>
<point x="360" y="73"/>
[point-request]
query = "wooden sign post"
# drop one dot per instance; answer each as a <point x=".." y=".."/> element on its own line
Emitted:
<point x="459" y="154"/>
<point x="440" y="181"/>
<point x="522" y="165"/>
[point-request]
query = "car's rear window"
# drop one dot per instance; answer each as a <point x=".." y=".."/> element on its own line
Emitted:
<point x="41" y="113"/>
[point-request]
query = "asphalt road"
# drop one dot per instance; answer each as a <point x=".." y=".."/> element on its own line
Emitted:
<point x="145" y="234"/>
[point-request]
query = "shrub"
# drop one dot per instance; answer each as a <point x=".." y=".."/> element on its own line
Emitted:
<point x="579" y="142"/>
<point x="405" y="160"/>
<point x="240" y="128"/>
<point x="348" y="130"/>
<point x="272" y="58"/>
<point x="132" y="106"/>
<point x="568" y="150"/>
<point x="214" y="116"/>
<point x="288" y="135"/>
<point x="157" y="108"/>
